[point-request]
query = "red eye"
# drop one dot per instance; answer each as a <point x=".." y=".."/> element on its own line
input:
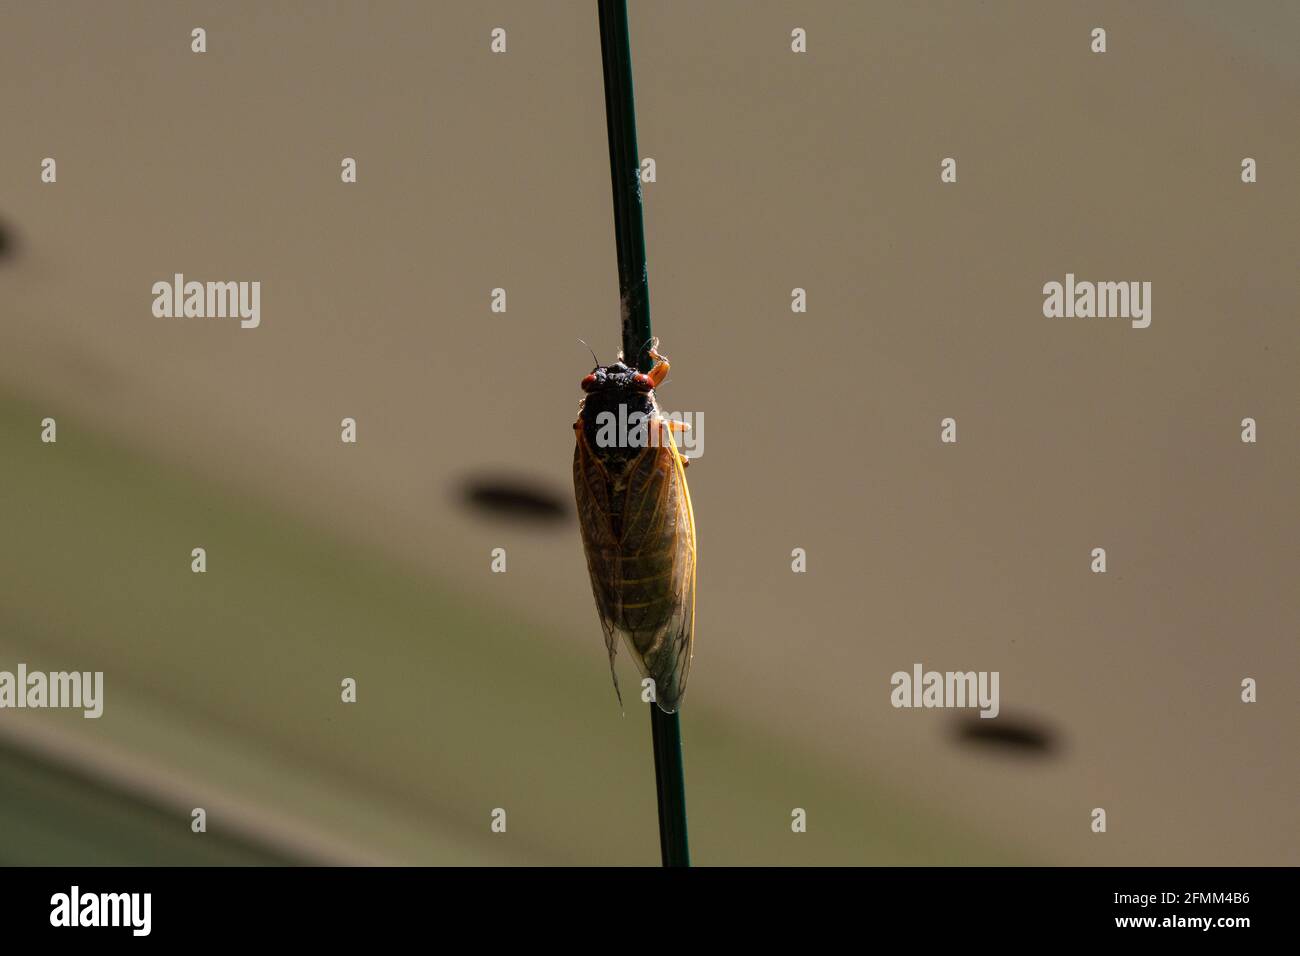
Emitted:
<point x="587" y="382"/>
<point x="643" y="380"/>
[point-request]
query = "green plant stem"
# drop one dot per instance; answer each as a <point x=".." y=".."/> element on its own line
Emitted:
<point x="634" y="294"/>
<point x="665" y="729"/>
<point x="625" y="175"/>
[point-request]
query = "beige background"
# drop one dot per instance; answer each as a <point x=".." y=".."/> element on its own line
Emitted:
<point x="774" y="171"/>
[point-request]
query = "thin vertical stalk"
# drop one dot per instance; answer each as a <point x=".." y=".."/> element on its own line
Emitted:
<point x="634" y="294"/>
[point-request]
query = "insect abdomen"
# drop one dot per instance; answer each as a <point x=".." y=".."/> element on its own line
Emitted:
<point x="639" y="534"/>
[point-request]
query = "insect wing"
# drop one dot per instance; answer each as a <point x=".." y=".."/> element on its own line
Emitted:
<point x="681" y="629"/>
<point x="592" y="488"/>
<point x="638" y="531"/>
<point x="658" y="564"/>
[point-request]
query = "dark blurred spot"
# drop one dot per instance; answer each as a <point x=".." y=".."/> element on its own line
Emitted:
<point x="521" y="499"/>
<point x="1007" y="734"/>
<point x="6" y="241"/>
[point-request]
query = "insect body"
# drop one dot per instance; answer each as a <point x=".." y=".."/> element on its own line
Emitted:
<point x="637" y="525"/>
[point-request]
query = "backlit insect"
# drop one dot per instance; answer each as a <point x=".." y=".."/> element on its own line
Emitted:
<point x="637" y="524"/>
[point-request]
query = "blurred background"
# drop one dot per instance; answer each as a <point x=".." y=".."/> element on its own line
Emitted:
<point x="774" y="171"/>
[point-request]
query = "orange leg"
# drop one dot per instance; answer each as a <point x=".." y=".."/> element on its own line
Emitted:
<point x="660" y="370"/>
<point x="675" y="426"/>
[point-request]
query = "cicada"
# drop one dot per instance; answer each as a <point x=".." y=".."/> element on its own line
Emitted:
<point x="637" y="524"/>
